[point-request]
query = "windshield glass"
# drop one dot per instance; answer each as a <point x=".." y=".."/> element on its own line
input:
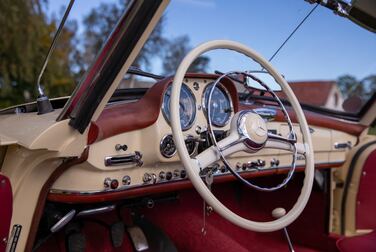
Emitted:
<point x="329" y="61"/>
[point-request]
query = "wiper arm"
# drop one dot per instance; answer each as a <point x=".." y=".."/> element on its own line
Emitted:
<point x="138" y="71"/>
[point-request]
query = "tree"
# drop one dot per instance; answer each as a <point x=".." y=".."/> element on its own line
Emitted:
<point x="175" y="52"/>
<point x="363" y="88"/>
<point x="25" y="37"/>
<point x="98" y="25"/>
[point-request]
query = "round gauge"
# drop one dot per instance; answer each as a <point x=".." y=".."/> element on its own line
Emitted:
<point x="220" y="105"/>
<point x="167" y="146"/>
<point x="187" y="105"/>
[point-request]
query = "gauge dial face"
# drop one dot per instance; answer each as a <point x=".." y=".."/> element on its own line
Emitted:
<point x="220" y="105"/>
<point x="187" y="104"/>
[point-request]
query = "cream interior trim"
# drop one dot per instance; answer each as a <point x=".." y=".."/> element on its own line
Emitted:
<point x="28" y="171"/>
<point x="340" y="175"/>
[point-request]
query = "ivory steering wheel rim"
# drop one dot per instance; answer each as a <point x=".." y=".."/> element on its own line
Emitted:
<point x="192" y="166"/>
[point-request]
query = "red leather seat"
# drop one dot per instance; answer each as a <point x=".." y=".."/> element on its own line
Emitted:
<point x="361" y="243"/>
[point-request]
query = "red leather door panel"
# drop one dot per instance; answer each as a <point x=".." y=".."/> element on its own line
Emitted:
<point x="366" y="198"/>
<point x="5" y="210"/>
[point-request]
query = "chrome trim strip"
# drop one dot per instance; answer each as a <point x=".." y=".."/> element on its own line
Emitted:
<point x="124" y="188"/>
<point x="63" y="221"/>
<point x="267" y="113"/>
<point x="98" y="210"/>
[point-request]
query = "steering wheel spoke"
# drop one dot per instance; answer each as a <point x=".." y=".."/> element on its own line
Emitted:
<point x="229" y="145"/>
<point x="284" y="143"/>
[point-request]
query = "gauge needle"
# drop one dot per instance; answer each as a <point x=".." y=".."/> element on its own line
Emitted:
<point x="182" y="105"/>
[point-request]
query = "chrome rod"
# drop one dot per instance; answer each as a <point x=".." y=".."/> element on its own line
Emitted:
<point x="52" y="46"/>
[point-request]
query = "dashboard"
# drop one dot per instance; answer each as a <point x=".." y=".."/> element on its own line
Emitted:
<point x="131" y="150"/>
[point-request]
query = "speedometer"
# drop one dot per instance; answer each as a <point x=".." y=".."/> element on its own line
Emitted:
<point x="187" y="104"/>
<point x="220" y="104"/>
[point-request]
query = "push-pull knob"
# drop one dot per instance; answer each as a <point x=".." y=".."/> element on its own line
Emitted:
<point x="278" y="213"/>
<point x="149" y="178"/>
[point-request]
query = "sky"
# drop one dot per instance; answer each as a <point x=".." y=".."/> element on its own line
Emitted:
<point x="325" y="47"/>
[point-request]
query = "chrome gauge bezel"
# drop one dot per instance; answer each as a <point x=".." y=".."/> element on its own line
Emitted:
<point x="227" y="94"/>
<point x="193" y="119"/>
<point x="161" y="150"/>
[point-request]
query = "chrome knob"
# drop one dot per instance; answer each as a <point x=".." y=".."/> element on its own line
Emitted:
<point x="146" y="178"/>
<point x="107" y="182"/>
<point x="126" y="180"/>
<point x="149" y="178"/>
<point x="162" y="175"/>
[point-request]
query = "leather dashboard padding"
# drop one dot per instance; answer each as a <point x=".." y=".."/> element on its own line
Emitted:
<point x="316" y="119"/>
<point x="366" y="200"/>
<point x="125" y="117"/>
<point x="6" y="209"/>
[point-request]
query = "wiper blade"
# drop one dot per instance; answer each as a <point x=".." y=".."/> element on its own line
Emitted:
<point x="138" y="71"/>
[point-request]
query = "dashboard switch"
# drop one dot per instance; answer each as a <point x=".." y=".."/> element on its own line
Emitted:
<point x="162" y="175"/>
<point x="146" y="178"/>
<point x="114" y="184"/>
<point x="110" y="183"/>
<point x="119" y="147"/>
<point x="176" y="173"/>
<point x="183" y="174"/>
<point x="274" y="162"/>
<point x="149" y="178"/>
<point x="261" y="163"/>
<point x="126" y="180"/>
<point x="168" y="175"/>
<point x="107" y="183"/>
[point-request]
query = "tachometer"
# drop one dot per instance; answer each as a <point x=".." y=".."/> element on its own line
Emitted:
<point x="187" y="103"/>
<point x="220" y="105"/>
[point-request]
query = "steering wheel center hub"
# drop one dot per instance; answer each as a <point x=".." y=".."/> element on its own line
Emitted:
<point x="252" y="128"/>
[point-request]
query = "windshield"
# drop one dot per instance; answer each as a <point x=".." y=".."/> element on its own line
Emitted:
<point x="329" y="62"/>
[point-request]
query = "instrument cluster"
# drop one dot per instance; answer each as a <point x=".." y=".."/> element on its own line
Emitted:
<point x="220" y="107"/>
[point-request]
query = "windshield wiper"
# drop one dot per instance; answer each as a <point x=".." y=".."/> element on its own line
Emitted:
<point x="138" y="71"/>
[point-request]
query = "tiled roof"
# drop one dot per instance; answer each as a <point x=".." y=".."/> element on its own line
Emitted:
<point x="311" y="92"/>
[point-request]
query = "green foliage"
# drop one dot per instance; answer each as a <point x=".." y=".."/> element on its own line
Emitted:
<point x="25" y="37"/>
<point x="363" y="88"/>
<point x="26" y="34"/>
<point x="99" y="24"/>
<point x="372" y="130"/>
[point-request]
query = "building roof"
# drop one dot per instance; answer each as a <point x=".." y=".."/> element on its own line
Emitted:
<point x="311" y="92"/>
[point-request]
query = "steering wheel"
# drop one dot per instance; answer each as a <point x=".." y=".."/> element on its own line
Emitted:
<point x="248" y="132"/>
